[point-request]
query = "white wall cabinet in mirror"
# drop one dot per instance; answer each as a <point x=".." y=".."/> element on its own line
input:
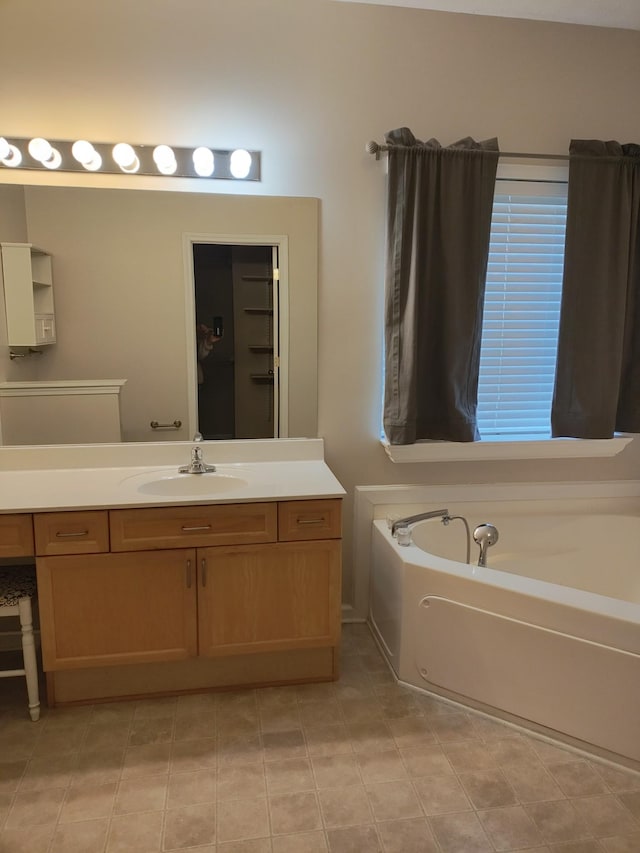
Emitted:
<point x="28" y="295"/>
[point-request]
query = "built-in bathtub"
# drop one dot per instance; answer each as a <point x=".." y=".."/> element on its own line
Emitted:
<point x="547" y="635"/>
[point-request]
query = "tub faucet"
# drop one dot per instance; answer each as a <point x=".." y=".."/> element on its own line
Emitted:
<point x="197" y="464"/>
<point x="485" y="535"/>
<point x="421" y="516"/>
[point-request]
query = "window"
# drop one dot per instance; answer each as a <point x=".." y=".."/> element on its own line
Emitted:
<point x="520" y="330"/>
<point x="522" y="310"/>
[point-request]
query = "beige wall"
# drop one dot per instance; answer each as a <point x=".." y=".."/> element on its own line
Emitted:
<point x="309" y="82"/>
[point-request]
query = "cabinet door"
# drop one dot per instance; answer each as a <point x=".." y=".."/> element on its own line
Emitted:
<point x="260" y="598"/>
<point x="108" y="609"/>
<point x="16" y="535"/>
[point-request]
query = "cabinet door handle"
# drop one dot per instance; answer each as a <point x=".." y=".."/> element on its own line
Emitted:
<point x="60" y="535"/>
<point x="188" y="574"/>
<point x="203" y="572"/>
<point x="196" y="527"/>
<point x="310" y="520"/>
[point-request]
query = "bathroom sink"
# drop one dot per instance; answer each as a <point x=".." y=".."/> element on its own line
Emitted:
<point x="185" y="485"/>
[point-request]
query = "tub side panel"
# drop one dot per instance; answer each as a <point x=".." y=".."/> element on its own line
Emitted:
<point x="386" y="597"/>
<point x="584" y="689"/>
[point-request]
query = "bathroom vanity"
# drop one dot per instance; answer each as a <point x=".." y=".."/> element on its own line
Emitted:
<point x="143" y="593"/>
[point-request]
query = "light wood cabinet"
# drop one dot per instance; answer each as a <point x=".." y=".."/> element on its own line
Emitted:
<point x="16" y="535"/>
<point x="169" y="584"/>
<point x="71" y="532"/>
<point x="268" y="598"/>
<point x="108" y="609"/>
<point x="299" y="520"/>
<point x="179" y="527"/>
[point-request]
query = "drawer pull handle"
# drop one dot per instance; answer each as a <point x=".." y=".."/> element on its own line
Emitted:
<point x="310" y="520"/>
<point x="188" y="574"/>
<point x="203" y="566"/>
<point x="60" y="535"/>
<point x="196" y="527"/>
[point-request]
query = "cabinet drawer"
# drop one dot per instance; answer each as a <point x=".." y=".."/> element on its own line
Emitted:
<point x="192" y="526"/>
<point x="320" y="519"/>
<point x="16" y="535"/>
<point x="71" y="532"/>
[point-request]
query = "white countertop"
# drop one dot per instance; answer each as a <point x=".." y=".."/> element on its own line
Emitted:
<point x="298" y="473"/>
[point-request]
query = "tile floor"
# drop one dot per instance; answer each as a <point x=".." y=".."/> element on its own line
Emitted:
<point x="358" y="766"/>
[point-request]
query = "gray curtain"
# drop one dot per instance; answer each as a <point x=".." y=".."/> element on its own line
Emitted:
<point x="438" y="226"/>
<point x="597" y="388"/>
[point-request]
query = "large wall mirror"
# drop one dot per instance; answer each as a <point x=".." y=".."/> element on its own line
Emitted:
<point x="126" y="304"/>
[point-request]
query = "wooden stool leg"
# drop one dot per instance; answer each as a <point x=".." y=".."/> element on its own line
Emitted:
<point x="29" y="655"/>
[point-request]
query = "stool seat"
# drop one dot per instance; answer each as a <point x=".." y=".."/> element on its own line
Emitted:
<point x="16" y="582"/>
<point x="17" y="588"/>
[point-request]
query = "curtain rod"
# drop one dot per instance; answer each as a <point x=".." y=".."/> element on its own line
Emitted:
<point x="375" y="148"/>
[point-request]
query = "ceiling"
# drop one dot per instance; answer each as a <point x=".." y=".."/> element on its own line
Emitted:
<point x="623" y="14"/>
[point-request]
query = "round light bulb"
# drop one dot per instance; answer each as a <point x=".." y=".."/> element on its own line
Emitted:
<point x="40" y="149"/>
<point x="86" y="154"/>
<point x="5" y="148"/>
<point x="125" y="157"/>
<point x="54" y="161"/>
<point x="94" y="164"/>
<point x="83" y="151"/>
<point x="240" y="164"/>
<point x="13" y="158"/>
<point x="165" y="159"/>
<point x="203" y="162"/>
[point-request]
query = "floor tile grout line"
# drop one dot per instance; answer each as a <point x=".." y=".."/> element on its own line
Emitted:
<point x="614" y="794"/>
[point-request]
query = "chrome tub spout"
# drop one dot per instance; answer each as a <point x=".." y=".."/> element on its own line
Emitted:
<point x="421" y="516"/>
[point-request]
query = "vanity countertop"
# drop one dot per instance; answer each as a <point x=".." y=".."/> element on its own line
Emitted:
<point x="80" y="478"/>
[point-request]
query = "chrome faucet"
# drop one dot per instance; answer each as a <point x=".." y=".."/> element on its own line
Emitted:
<point x="485" y="535"/>
<point x="197" y="464"/>
<point x="421" y="516"/>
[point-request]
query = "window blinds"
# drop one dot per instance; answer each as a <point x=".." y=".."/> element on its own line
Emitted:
<point x="521" y="310"/>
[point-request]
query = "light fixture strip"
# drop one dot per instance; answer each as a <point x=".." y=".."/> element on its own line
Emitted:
<point x="224" y="161"/>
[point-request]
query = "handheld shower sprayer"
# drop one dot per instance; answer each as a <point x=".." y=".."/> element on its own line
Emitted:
<point x="485" y="535"/>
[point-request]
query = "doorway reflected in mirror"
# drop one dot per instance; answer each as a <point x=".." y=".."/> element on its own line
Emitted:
<point x="236" y="308"/>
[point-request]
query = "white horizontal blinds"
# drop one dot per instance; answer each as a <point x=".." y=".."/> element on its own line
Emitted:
<point x="521" y="310"/>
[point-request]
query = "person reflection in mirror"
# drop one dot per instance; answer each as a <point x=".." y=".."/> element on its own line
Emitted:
<point x="206" y="340"/>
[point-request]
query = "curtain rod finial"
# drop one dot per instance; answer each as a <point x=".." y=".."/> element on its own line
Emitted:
<point x="373" y="148"/>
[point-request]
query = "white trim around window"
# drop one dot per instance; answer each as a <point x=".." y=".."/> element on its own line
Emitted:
<point x="486" y="451"/>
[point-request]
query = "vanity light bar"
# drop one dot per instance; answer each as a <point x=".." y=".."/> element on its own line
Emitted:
<point x="121" y="158"/>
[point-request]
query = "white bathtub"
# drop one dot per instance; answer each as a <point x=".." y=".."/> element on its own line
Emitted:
<point x="548" y="635"/>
